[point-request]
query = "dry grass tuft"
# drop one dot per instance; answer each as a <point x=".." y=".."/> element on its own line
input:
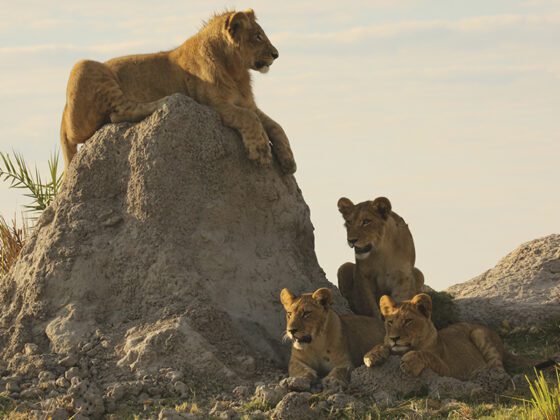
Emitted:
<point x="12" y="239"/>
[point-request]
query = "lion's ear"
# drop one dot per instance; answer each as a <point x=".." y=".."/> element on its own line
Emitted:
<point x="382" y="205"/>
<point x="286" y="297"/>
<point x="323" y="296"/>
<point x="235" y="22"/>
<point x="345" y="205"/>
<point x="250" y="14"/>
<point x="387" y="305"/>
<point x="423" y="303"/>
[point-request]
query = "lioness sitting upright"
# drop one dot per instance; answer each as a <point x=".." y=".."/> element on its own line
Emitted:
<point x="459" y="350"/>
<point x="384" y="252"/>
<point x="212" y="67"/>
<point x="325" y="343"/>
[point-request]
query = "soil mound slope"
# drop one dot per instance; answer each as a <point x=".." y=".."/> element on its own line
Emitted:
<point x="523" y="288"/>
<point x="167" y="248"/>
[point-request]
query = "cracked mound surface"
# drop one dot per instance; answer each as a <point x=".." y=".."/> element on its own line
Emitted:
<point x="166" y="249"/>
<point x="523" y="288"/>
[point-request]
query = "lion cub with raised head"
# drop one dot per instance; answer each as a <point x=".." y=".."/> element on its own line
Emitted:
<point x="459" y="351"/>
<point x="385" y="256"/>
<point x="325" y="343"/>
<point x="212" y="67"/>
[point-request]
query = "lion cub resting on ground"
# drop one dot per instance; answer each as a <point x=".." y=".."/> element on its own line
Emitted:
<point x="385" y="256"/>
<point x="212" y="67"/>
<point x="460" y="350"/>
<point x="325" y="343"/>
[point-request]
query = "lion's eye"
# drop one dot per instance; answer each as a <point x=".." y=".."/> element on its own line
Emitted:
<point x="305" y="314"/>
<point x="366" y="222"/>
<point x="389" y="323"/>
<point x="258" y="37"/>
<point x="347" y="223"/>
<point x="407" y="321"/>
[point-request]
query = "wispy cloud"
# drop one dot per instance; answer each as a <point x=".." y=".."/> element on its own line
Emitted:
<point x="395" y="29"/>
<point x="98" y="48"/>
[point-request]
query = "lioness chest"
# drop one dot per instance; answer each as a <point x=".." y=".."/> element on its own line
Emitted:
<point x="324" y="360"/>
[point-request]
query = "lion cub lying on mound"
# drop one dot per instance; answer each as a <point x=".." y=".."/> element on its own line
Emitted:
<point x="325" y="343"/>
<point x="459" y="350"/>
<point x="385" y="256"/>
<point x="212" y="67"/>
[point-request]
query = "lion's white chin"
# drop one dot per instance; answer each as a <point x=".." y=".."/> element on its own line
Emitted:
<point x="264" y="69"/>
<point x="362" y="256"/>
<point x="298" y="345"/>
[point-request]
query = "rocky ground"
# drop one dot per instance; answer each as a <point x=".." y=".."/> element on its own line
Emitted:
<point x="522" y="289"/>
<point x="150" y="289"/>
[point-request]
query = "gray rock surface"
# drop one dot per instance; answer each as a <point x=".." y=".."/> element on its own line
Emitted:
<point x="166" y="248"/>
<point x="387" y="383"/>
<point x="523" y="288"/>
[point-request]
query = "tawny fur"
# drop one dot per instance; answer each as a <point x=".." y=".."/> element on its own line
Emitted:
<point x="211" y="67"/>
<point x="336" y="343"/>
<point x="388" y="268"/>
<point x="460" y="350"/>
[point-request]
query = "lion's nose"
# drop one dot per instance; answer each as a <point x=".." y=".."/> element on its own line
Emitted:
<point x="395" y="338"/>
<point x="292" y="331"/>
<point x="352" y="241"/>
<point x="275" y="54"/>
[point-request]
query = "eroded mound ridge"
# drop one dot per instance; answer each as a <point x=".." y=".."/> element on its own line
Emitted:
<point x="167" y="248"/>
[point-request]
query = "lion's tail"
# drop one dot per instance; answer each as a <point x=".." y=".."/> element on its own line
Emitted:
<point x="514" y="361"/>
<point x="69" y="149"/>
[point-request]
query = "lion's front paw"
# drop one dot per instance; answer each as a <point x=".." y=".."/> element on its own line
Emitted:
<point x="376" y="357"/>
<point x="412" y="363"/>
<point x="258" y="149"/>
<point x="288" y="164"/>
<point x="333" y="383"/>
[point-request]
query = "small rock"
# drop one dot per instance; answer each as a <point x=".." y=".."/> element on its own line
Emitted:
<point x="58" y="413"/>
<point x="45" y="376"/>
<point x="12" y="386"/>
<point x="69" y="361"/>
<point x="298" y="384"/>
<point x="219" y="406"/>
<point x="73" y="372"/>
<point x="169" y="414"/>
<point x="87" y="347"/>
<point x="30" y="349"/>
<point x="62" y="382"/>
<point x="271" y="394"/>
<point x="340" y="400"/>
<point x="143" y="397"/>
<point x="241" y="391"/>
<point x="229" y="414"/>
<point x="295" y="405"/>
<point x="173" y="375"/>
<point x="32" y="393"/>
<point x="153" y="390"/>
<point x="47" y="386"/>
<point x="93" y="352"/>
<point x="181" y="389"/>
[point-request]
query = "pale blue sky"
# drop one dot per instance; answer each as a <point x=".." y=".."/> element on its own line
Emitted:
<point x="449" y="108"/>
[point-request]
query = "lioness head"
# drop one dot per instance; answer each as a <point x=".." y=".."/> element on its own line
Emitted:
<point x="305" y="315"/>
<point x="365" y="223"/>
<point x="407" y="324"/>
<point x="247" y="36"/>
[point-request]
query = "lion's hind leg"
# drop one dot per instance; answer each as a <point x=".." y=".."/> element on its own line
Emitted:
<point x="490" y="345"/>
<point x="125" y="110"/>
<point x="345" y="276"/>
